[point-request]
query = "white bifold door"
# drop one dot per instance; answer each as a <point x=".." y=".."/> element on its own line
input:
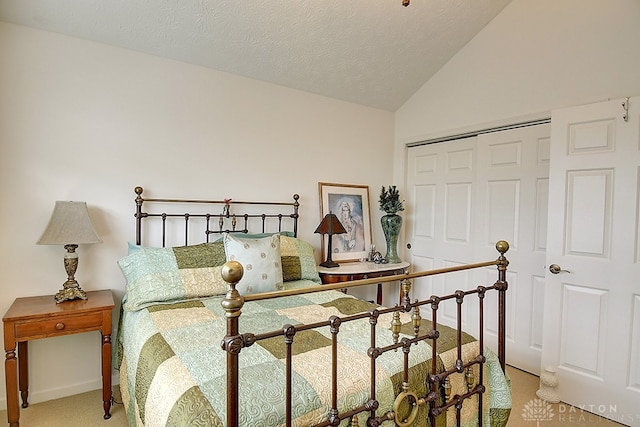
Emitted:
<point x="462" y="197"/>
<point x="592" y="297"/>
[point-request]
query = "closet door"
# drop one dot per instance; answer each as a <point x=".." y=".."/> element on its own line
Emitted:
<point x="513" y="189"/>
<point x="462" y="197"/>
<point x="439" y="214"/>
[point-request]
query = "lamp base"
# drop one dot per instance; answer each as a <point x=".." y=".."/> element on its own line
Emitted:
<point x="70" y="291"/>
<point x="329" y="264"/>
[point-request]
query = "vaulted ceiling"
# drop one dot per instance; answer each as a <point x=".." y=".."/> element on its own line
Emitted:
<point x="375" y="53"/>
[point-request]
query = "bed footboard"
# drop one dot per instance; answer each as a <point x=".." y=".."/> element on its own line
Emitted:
<point x="436" y="395"/>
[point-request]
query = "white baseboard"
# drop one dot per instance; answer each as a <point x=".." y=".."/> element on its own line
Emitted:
<point x="58" y="392"/>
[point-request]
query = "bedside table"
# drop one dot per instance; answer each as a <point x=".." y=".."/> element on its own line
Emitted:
<point x="362" y="270"/>
<point x="33" y="318"/>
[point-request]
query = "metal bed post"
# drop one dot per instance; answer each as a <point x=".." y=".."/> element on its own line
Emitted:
<point x="233" y="342"/>
<point x="138" y="215"/>
<point x="295" y="215"/>
<point x="502" y="286"/>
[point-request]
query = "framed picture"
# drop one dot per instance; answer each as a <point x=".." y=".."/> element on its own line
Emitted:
<point x="350" y="203"/>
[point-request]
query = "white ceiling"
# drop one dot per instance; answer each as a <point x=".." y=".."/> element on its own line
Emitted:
<point x="375" y="53"/>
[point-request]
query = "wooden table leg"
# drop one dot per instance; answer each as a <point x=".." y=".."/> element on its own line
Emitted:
<point x="106" y="375"/>
<point x="11" y="379"/>
<point x="23" y="372"/>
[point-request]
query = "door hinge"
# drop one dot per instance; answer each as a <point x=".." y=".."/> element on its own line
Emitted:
<point x="625" y="105"/>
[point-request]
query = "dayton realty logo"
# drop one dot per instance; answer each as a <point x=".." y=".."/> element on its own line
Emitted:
<point x="537" y="410"/>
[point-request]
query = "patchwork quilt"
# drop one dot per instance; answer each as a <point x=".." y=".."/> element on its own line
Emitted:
<point x="173" y="369"/>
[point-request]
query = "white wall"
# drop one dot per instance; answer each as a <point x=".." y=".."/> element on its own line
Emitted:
<point x="533" y="57"/>
<point x="84" y="121"/>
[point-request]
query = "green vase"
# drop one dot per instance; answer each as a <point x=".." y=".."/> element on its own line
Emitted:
<point x="391" y="224"/>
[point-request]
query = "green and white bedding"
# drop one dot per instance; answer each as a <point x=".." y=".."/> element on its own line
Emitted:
<point x="173" y="369"/>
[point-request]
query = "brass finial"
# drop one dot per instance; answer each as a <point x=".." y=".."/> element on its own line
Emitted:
<point x="232" y="303"/>
<point x="232" y="272"/>
<point x="502" y="246"/>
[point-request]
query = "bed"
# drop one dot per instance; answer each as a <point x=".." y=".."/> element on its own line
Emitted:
<point x="211" y="333"/>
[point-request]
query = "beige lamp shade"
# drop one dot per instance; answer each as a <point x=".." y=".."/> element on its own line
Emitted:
<point x="69" y="224"/>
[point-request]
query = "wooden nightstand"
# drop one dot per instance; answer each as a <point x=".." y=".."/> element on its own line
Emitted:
<point x="362" y="270"/>
<point x="40" y="317"/>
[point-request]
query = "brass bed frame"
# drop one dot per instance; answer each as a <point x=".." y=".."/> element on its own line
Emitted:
<point x="226" y="219"/>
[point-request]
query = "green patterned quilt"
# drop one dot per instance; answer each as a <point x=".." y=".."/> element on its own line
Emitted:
<point x="173" y="369"/>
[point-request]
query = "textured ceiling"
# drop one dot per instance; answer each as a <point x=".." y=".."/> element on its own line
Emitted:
<point x="375" y="53"/>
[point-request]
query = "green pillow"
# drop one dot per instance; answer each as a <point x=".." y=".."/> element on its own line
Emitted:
<point x="165" y="275"/>
<point x="298" y="261"/>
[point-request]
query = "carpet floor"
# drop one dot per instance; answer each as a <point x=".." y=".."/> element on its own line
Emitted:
<point x="85" y="410"/>
<point x="524" y="387"/>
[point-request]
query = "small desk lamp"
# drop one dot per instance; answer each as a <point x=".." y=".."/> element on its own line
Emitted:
<point x="330" y="225"/>
<point x="70" y="226"/>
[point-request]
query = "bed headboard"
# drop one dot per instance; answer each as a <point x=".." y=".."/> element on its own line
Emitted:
<point x="199" y="219"/>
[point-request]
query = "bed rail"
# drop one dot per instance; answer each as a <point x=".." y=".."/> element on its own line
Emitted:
<point x="438" y="382"/>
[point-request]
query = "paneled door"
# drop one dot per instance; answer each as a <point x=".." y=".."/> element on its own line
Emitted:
<point x="513" y="190"/>
<point x="439" y="216"/>
<point x="592" y="297"/>
<point x="465" y="195"/>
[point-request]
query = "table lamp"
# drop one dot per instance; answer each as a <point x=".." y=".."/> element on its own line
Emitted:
<point x="70" y="226"/>
<point x="330" y="225"/>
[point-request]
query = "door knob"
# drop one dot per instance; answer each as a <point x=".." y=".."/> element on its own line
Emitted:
<point x="555" y="269"/>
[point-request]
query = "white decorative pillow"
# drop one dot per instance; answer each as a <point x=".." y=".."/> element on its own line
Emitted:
<point x="261" y="261"/>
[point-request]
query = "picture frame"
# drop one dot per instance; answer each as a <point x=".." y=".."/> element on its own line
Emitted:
<point x="350" y="203"/>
